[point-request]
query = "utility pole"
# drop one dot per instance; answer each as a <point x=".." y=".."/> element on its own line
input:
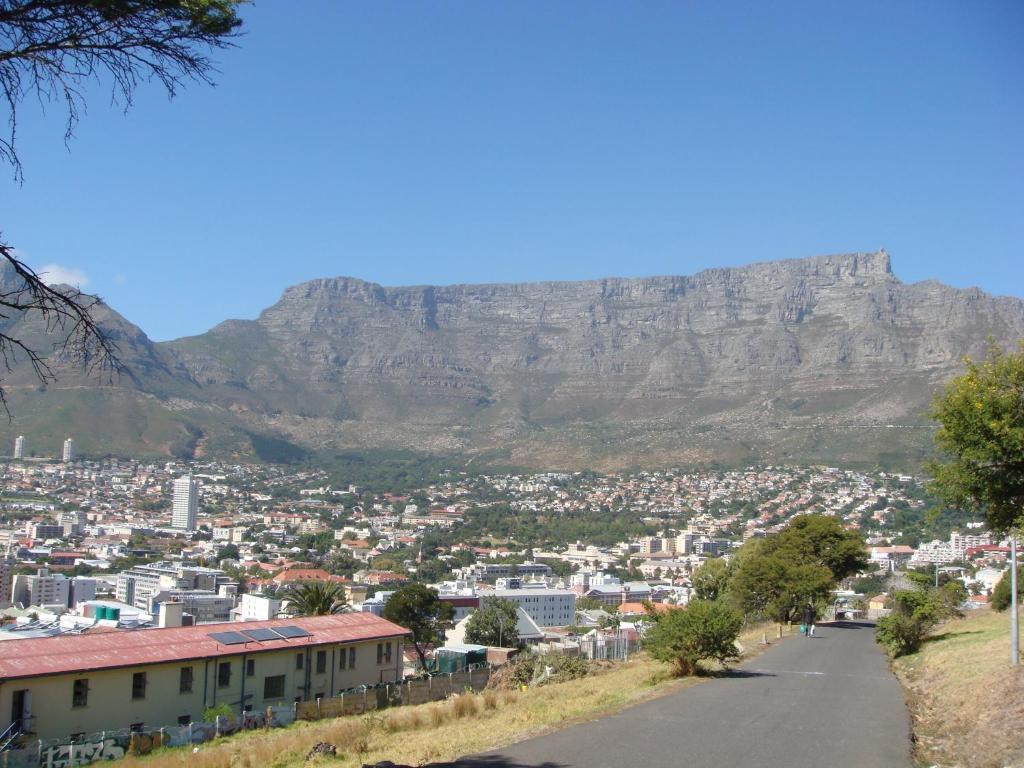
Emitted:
<point x="1014" y="618"/>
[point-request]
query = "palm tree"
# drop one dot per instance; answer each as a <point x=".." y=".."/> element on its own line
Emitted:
<point x="315" y="598"/>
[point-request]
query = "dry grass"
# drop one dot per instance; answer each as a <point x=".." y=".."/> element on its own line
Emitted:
<point x="966" y="702"/>
<point x="443" y="730"/>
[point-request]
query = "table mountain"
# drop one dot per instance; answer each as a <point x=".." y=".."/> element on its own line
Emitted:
<point x="822" y="359"/>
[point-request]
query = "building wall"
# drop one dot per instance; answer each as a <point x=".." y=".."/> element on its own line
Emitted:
<point x="110" y="704"/>
<point x="547" y="608"/>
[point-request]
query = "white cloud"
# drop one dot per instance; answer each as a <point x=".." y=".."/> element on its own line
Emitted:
<point x="53" y="274"/>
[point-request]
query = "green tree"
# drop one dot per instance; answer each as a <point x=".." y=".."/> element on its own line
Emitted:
<point x="419" y="609"/>
<point x="711" y="579"/>
<point x="775" y="576"/>
<point x="1000" y="599"/>
<point x="686" y="636"/>
<point x="821" y="540"/>
<point x="494" y="623"/>
<point x="767" y="583"/>
<point x="589" y="604"/>
<point x="315" y="598"/>
<point x="981" y="434"/>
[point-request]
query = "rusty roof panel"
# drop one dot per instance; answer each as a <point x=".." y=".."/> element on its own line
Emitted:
<point x="69" y="654"/>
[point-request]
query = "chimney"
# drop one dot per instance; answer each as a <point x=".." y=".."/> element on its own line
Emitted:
<point x="170" y="615"/>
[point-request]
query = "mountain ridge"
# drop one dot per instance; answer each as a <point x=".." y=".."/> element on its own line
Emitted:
<point x="791" y="360"/>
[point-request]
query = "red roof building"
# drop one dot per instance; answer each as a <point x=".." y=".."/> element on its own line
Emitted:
<point x="86" y="683"/>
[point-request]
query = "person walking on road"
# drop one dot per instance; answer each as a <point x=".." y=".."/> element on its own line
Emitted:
<point x="809" y="620"/>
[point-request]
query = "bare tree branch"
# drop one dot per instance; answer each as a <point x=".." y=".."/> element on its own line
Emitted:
<point x="52" y="48"/>
<point x="67" y="314"/>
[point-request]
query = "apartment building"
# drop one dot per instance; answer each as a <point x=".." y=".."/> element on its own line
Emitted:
<point x="44" y="588"/>
<point x="137" y="585"/>
<point x="547" y="607"/>
<point x="76" y="684"/>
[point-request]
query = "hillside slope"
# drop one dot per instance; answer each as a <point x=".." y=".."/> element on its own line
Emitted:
<point x="828" y="359"/>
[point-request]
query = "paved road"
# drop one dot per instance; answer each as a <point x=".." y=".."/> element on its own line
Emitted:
<point x="829" y="701"/>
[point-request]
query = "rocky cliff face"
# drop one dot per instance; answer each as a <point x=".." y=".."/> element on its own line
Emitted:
<point x="823" y="359"/>
<point x="613" y="370"/>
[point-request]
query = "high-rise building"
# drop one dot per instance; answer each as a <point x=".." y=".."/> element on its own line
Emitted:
<point x="186" y="503"/>
<point x="69" y="450"/>
<point x="19" y="447"/>
<point x="6" y="576"/>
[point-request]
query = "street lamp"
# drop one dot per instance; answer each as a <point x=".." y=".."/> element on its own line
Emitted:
<point x="1014" y="618"/>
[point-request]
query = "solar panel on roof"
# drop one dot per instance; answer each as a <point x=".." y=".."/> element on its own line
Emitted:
<point x="261" y="634"/>
<point x="291" y="631"/>
<point x="228" y="638"/>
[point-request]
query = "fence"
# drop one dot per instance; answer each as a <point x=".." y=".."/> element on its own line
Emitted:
<point x="112" y="745"/>
<point x="609" y="649"/>
<point x="396" y="694"/>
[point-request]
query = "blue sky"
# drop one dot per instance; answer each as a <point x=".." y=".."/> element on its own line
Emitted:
<point x="442" y="142"/>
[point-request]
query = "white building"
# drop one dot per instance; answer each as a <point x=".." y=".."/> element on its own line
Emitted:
<point x="547" y="607"/>
<point x="19" y="447"/>
<point x="257" y="608"/>
<point x="48" y="589"/>
<point x="186" y="503"/>
<point x="68" y="454"/>
<point x="230" y="535"/>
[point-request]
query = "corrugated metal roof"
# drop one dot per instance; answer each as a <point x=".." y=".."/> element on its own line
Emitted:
<point x="83" y="653"/>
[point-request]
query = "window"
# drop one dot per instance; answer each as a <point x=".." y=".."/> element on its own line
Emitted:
<point x="185" y="720"/>
<point x="139" y="685"/>
<point x="224" y="674"/>
<point x="380" y="653"/>
<point x="344" y="656"/>
<point x="352" y="657"/>
<point x="387" y="653"/>
<point x="299" y="659"/>
<point x="185" y="680"/>
<point x="321" y="662"/>
<point x="80" y="693"/>
<point x="250" y="667"/>
<point x="273" y="687"/>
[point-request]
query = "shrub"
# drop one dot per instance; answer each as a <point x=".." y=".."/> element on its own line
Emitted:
<point x="899" y="634"/>
<point x="915" y="613"/>
<point x="1000" y="599"/>
<point x="210" y="714"/>
<point x="703" y="630"/>
<point x="529" y="669"/>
